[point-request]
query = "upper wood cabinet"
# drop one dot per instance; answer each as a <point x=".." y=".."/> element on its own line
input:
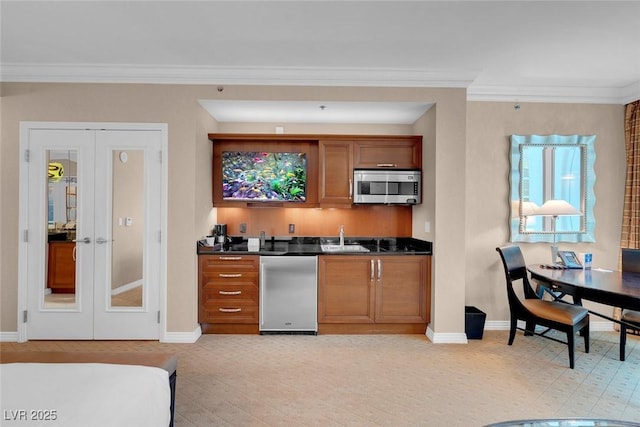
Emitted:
<point x="331" y="160"/>
<point x="393" y="153"/>
<point x="336" y="172"/>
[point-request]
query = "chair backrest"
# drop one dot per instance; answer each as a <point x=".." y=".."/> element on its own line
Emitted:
<point x="631" y="260"/>
<point x="515" y="268"/>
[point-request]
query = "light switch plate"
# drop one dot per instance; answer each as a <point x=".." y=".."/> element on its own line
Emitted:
<point x="292" y="228"/>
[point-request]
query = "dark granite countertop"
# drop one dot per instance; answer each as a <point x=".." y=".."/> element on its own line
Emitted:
<point x="313" y="246"/>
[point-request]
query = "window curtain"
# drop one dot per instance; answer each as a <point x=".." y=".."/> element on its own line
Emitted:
<point x="631" y="212"/>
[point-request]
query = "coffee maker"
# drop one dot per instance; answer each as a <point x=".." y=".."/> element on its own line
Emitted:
<point x="220" y="236"/>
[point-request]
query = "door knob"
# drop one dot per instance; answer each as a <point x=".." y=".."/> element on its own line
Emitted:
<point x="101" y="240"/>
<point x="85" y="240"/>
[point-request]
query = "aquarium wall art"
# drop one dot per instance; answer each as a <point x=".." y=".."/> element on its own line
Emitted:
<point x="264" y="176"/>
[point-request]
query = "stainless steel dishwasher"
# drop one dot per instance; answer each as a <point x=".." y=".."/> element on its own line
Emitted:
<point x="289" y="295"/>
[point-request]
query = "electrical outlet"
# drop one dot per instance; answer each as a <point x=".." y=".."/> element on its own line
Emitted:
<point x="427" y="227"/>
<point x="292" y="228"/>
<point x="243" y="228"/>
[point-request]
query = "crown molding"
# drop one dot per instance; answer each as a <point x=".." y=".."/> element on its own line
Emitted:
<point x="290" y="76"/>
<point x="305" y="76"/>
<point x="555" y="94"/>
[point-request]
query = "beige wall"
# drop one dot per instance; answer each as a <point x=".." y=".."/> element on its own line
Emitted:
<point x="466" y="177"/>
<point x="489" y="126"/>
<point x="426" y="126"/>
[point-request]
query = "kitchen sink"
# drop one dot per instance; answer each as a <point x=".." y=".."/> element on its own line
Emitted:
<point x="330" y="247"/>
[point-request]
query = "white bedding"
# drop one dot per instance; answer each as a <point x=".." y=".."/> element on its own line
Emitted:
<point x="83" y="394"/>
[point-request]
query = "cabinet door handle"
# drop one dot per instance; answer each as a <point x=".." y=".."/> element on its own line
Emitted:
<point x="350" y="188"/>
<point x="230" y="310"/>
<point x="230" y="258"/>
<point x="230" y="276"/>
<point x="379" y="270"/>
<point x="229" y="292"/>
<point x="73" y="254"/>
<point x="387" y="165"/>
<point x="373" y="269"/>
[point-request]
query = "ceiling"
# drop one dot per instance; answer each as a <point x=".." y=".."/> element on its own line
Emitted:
<point x="539" y="51"/>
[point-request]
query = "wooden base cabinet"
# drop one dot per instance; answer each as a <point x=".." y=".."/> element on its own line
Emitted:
<point x="228" y="293"/>
<point x="346" y="293"/>
<point x="374" y="294"/>
<point x="401" y="289"/>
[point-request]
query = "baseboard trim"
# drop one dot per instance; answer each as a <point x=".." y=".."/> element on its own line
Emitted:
<point x="8" y="336"/>
<point x="170" y="337"/>
<point x="446" y="337"/>
<point x="434" y="337"/>
<point x="182" y="337"/>
<point x="500" y="325"/>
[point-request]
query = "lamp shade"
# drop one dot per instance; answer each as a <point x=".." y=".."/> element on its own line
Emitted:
<point x="556" y="208"/>
<point x="528" y="208"/>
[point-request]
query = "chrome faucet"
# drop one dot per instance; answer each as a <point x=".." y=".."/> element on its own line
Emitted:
<point x="342" y="236"/>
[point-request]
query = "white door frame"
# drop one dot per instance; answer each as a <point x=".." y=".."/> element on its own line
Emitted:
<point x="25" y="128"/>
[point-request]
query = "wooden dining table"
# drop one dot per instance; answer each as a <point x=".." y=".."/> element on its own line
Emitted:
<point x="610" y="287"/>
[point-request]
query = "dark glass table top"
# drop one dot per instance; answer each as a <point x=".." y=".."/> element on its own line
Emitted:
<point x="566" y="422"/>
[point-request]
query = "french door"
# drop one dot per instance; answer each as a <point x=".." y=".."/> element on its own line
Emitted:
<point x="91" y="219"/>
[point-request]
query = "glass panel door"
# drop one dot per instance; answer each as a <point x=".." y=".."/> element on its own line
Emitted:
<point x="60" y="234"/>
<point x="93" y="244"/>
<point x="128" y="212"/>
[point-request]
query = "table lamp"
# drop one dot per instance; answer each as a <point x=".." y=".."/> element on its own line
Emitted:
<point x="554" y="208"/>
<point x="523" y="210"/>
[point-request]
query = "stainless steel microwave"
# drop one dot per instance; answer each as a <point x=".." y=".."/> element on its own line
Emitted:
<point x="387" y="186"/>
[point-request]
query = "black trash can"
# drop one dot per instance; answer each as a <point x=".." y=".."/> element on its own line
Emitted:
<point x="474" y="322"/>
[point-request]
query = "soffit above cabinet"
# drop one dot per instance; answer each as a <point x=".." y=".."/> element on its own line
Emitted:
<point x="315" y="111"/>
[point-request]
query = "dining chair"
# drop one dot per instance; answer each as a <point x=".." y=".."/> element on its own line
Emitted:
<point x="554" y="315"/>
<point x="631" y="318"/>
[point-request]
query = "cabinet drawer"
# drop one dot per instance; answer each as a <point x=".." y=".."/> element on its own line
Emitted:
<point x="229" y="263"/>
<point x="222" y="292"/>
<point x="229" y="277"/>
<point x="229" y="312"/>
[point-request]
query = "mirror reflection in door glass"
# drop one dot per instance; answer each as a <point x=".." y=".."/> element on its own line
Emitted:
<point x="59" y="289"/>
<point x="127" y="225"/>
